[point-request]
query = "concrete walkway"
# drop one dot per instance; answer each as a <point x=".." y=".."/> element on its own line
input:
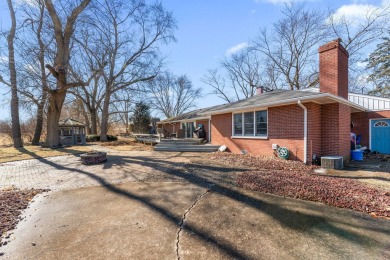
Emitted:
<point x="67" y="172"/>
<point x="168" y="208"/>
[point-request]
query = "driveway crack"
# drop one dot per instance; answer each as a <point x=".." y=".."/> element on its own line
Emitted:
<point x="184" y="218"/>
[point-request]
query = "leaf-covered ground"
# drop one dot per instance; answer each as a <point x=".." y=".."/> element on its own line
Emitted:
<point x="293" y="179"/>
<point x="12" y="203"/>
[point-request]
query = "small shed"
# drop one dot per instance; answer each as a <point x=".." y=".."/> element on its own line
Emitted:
<point x="71" y="132"/>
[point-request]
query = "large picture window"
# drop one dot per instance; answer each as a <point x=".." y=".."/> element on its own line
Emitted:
<point x="250" y="124"/>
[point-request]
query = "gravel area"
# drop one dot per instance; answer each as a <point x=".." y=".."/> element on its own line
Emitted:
<point x="384" y="159"/>
<point x="12" y="203"/>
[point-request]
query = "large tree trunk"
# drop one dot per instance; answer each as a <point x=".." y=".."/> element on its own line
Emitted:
<point x="56" y="100"/>
<point x="59" y="69"/>
<point x="87" y="124"/>
<point x="93" y="121"/>
<point x="41" y="59"/>
<point x="104" y="123"/>
<point x="16" y="133"/>
<point x="39" y="124"/>
<point x="86" y="118"/>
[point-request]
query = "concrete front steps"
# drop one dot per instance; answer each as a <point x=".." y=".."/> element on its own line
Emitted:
<point x="185" y="145"/>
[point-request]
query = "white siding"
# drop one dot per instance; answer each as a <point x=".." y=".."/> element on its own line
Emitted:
<point x="369" y="102"/>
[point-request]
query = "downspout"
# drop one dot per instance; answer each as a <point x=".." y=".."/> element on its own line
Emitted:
<point x="209" y="131"/>
<point x="304" y="131"/>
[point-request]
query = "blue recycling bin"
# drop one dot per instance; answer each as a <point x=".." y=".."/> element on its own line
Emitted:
<point x="357" y="155"/>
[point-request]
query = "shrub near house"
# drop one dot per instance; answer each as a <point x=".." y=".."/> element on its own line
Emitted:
<point x="96" y="138"/>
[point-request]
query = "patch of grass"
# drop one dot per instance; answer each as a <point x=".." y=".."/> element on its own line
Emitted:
<point x="10" y="154"/>
<point x="127" y="144"/>
<point x="378" y="184"/>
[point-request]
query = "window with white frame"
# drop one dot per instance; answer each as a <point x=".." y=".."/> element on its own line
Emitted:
<point x="237" y="124"/>
<point x="381" y="124"/>
<point x="252" y="123"/>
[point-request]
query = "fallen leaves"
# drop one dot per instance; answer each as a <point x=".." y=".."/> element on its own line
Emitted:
<point x="292" y="179"/>
<point x="261" y="162"/>
<point x="12" y="203"/>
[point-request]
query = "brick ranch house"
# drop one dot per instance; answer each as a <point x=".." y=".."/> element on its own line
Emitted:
<point x="308" y="123"/>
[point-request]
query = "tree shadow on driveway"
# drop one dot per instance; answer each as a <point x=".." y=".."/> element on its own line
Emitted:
<point x="208" y="177"/>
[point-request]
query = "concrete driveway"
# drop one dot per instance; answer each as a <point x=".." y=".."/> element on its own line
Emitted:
<point x="173" y="209"/>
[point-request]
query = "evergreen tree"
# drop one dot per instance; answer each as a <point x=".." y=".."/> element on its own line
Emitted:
<point x="379" y="63"/>
<point x="141" y="118"/>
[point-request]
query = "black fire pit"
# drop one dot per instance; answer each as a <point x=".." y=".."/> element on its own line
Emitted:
<point x="93" y="158"/>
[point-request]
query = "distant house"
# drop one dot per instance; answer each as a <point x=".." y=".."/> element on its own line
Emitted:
<point x="308" y="123"/>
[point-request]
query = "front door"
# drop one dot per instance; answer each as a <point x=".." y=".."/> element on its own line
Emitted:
<point x="188" y="128"/>
<point x="380" y="135"/>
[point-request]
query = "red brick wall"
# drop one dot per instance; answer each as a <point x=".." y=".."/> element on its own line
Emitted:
<point x="335" y="132"/>
<point x="314" y="130"/>
<point x="344" y="131"/>
<point x="328" y="131"/>
<point x="205" y="124"/>
<point x="333" y="68"/>
<point x="362" y="123"/>
<point x="285" y="128"/>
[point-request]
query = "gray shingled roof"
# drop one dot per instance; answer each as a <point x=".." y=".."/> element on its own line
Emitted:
<point x="70" y="122"/>
<point x="278" y="96"/>
<point x="267" y="97"/>
<point x="198" y="113"/>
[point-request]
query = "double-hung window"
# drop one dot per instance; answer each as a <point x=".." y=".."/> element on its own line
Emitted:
<point x="238" y="124"/>
<point x="250" y="124"/>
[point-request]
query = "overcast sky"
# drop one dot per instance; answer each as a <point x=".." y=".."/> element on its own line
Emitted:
<point x="210" y="29"/>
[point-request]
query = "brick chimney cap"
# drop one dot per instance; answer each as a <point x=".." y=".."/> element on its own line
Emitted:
<point x="336" y="43"/>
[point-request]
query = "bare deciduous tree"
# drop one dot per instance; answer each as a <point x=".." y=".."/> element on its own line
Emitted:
<point x="357" y="33"/>
<point x="287" y="52"/>
<point x="123" y="103"/>
<point x="130" y="33"/>
<point x="59" y="70"/>
<point x="241" y="73"/>
<point x="32" y="48"/>
<point x="16" y="132"/>
<point x="90" y="57"/>
<point x="92" y="97"/>
<point x="290" y="47"/>
<point x="172" y="95"/>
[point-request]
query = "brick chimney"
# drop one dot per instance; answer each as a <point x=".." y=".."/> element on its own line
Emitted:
<point x="333" y="76"/>
<point x="259" y="90"/>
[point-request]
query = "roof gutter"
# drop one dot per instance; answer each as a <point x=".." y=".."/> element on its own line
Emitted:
<point x="184" y="120"/>
<point x="304" y="131"/>
<point x="288" y="102"/>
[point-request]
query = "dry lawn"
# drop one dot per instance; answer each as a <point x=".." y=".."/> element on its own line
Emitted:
<point x="127" y="144"/>
<point x="9" y="154"/>
<point x="5" y="140"/>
